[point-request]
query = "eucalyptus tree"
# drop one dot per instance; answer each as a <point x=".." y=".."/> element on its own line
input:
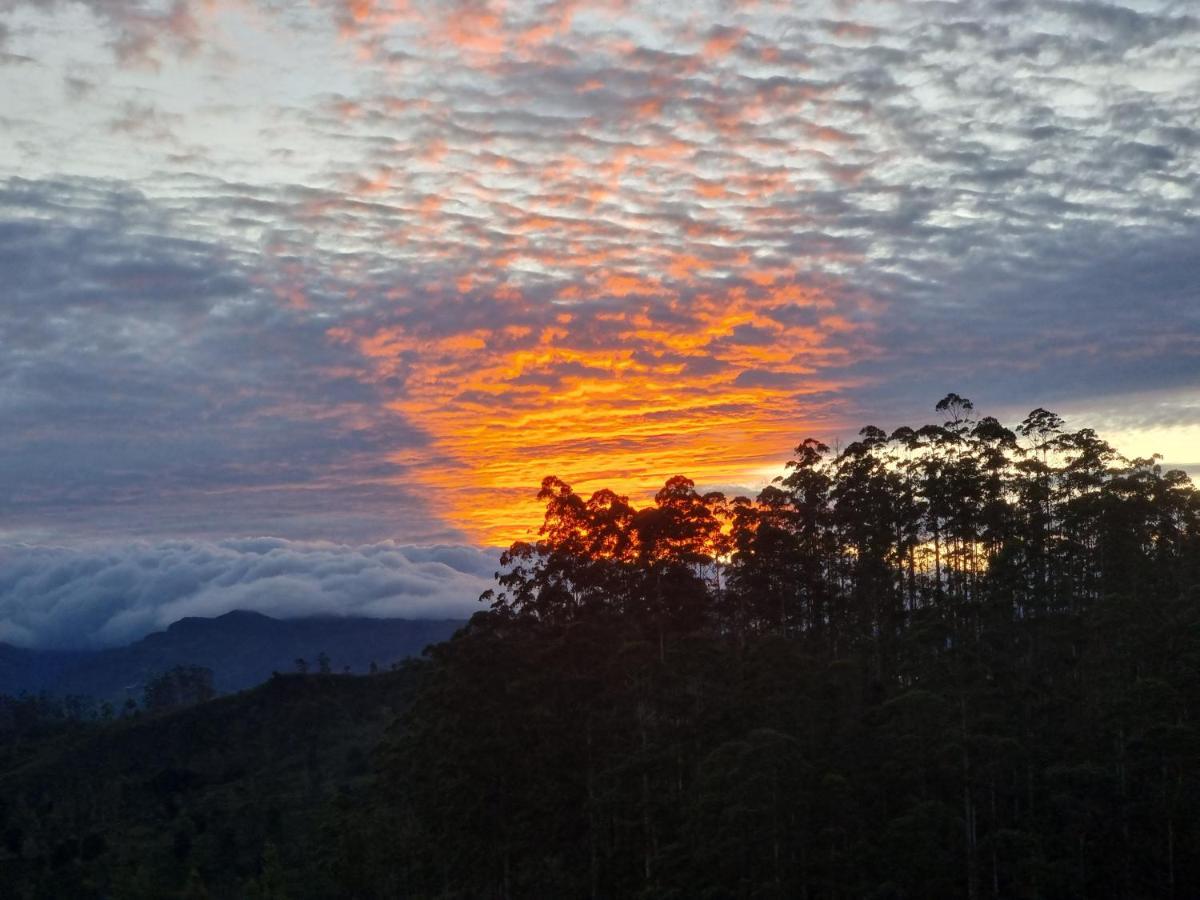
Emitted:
<point x="782" y="547"/>
<point x="680" y="544"/>
<point x="959" y="659"/>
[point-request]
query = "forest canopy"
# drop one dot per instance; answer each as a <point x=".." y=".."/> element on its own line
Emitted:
<point x="955" y="660"/>
<point x="855" y="545"/>
<point x="952" y="660"/>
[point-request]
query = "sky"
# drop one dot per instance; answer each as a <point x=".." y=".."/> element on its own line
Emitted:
<point x="353" y="276"/>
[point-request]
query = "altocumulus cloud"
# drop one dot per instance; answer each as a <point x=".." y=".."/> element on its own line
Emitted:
<point x="501" y="239"/>
<point x="110" y="595"/>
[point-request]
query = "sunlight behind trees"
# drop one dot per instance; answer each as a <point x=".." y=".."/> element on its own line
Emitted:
<point x="957" y="660"/>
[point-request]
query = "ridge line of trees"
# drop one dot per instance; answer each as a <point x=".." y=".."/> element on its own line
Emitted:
<point x="954" y="660"/>
<point x="924" y="522"/>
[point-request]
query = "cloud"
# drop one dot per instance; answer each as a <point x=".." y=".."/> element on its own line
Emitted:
<point x="139" y="33"/>
<point x="102" y="596"/>
<point x="613" y="242"/>
<point x="174" y="381"/>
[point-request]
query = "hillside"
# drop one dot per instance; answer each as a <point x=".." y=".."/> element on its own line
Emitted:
<point x="243" y="793"/>
<point x="960" y="661"/>
<point x="242" y="649"/>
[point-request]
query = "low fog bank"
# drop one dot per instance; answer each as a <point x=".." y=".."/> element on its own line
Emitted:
<point x="104" y="596"/>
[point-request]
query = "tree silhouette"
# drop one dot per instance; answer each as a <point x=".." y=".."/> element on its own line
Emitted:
<point x="954" y="660"/>
<point x="179" y="686"/>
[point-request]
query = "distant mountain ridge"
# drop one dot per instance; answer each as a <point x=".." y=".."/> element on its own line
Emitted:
<point x="242" y="648"/>
<point x="25" y="669"/>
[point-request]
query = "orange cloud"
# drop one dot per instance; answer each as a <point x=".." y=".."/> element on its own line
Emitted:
<point x="589" y="248"/>
<point x="621" y="398"/>
<point x="721" y="41"/>
<point x="854" y="30"/>
<point x="477" y="27"/>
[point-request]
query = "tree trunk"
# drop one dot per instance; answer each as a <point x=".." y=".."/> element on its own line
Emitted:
<point x="970" y="832"/>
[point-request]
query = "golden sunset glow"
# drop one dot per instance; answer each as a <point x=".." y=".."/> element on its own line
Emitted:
<point x="622" y="397"/>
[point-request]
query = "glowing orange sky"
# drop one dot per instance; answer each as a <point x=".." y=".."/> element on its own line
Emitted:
<point x="622" y="397"/>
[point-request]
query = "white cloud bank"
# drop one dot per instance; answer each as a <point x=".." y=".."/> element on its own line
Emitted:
<point x="111" y="595"/>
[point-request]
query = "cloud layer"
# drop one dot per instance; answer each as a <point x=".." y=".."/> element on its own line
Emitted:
<point x="361" y="269"/>
<point x="108" y="596"/>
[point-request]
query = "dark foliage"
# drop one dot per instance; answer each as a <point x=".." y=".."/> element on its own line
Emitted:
<point x="244" y="796"/>
<point x="955" y="661"/>
<point x="179" y="686"/>
<point x="242" y="649"/>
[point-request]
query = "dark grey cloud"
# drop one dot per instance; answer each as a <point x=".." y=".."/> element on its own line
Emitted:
<point x="100" y="596"/>
<point x="144" y="369"/>
<point x="1086" y="314"/>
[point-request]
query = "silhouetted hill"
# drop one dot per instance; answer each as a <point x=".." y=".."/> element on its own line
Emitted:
<point x="242" y="648"/>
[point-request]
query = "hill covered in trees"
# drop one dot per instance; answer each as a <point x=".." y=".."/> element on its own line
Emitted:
<point x="241" y="648"/>
<point x="955" y="660"/>
<point x="960" y="660"/>
<point x="241" y="797"/>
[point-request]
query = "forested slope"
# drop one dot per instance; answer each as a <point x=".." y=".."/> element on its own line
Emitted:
<point x="243" y="796"/>
<point x="241" y="648"/>
<point x="951" y="661"/>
